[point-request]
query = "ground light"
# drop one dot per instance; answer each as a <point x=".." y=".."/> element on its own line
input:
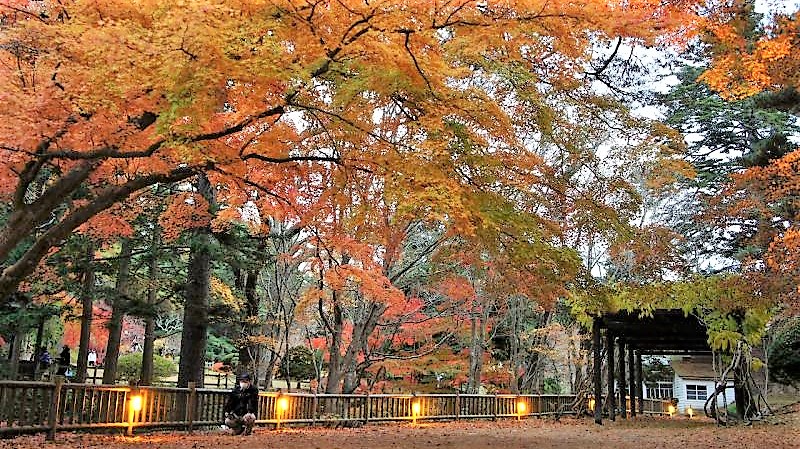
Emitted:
<point x="521" y="407"/>
<point x="671" y="410"/>
<point x="591" y="404"/>
<point x="282" y="406"/>
<point x="690" y="411"/>
<point x="416" y="407"/>
<point x="135" y="403"/>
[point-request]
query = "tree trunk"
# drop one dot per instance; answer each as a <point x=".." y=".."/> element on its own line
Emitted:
<point x="150" y="320"/>
<point x="358" y="343"/>
<point x="351" y="378"/>
<point x="269" y="369"/>
<point x="195" y="315"/>
<point x="87" y="299"/>
<point x="13" y="355"/>
<point x="335" y="373"/>
<point x="198" y="291"/>
<point x="475" y="356"/>
<point x="531" y="378"/>
<point x="37" y="349"/>
<point x="516" y="356"/>
<point x="247" y="350"/>
<point x="117" y="314"/>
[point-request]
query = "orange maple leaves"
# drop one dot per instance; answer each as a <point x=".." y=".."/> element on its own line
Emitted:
<point x="184" y="211"/>
<point x="743" y="67"/>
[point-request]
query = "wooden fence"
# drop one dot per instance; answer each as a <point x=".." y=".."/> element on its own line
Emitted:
<point x="27" y="407"/>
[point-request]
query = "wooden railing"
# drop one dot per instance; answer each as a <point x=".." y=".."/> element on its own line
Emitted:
<point x="27" y="407"/>
<point x="654" y="406"/>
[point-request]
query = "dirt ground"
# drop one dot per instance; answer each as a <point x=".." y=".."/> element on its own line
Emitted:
<point x="644" y="433"/>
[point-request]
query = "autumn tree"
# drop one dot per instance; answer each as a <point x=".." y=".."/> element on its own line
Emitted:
<point x="751" y="58"/>
<point x="282" y="281"/>
<point x="106" y="99"/>
<point x="750" y="55"/>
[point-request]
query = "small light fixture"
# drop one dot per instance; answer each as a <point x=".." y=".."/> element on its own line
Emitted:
<point x="521" y="408"/>
<point x="416" y="408"/>
<point x="671" y="410"/>
<point x="690" y="411"/>
<point x="591" y="404"/>
<point x="136" y="403"/>
<point x="283" y="404"/>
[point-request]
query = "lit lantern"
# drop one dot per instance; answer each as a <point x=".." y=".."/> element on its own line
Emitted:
<point x="671" y="410"/>
<point x="283" y="404"/>
<point x="416" y="407"/>
<point x="136" y="403"/>
<point x="591" y="404"/>
<point x="690" y="411"/>
<point x="521" y="407"/>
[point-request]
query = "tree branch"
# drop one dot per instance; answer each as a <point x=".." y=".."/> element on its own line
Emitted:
<point x="25" y="265"/>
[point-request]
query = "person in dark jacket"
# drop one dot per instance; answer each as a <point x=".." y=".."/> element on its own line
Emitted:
<point x="242" y="406"/>
<point x="63" y="361"/>
<point x="44" y="359"/>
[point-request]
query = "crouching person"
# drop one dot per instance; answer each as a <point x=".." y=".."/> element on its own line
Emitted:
<point x="242" y="406"/>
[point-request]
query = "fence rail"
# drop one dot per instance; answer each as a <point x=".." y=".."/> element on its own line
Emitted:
<point x="48" y="407"/>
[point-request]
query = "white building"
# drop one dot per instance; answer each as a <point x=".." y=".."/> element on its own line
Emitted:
<point x="695" y="381"/>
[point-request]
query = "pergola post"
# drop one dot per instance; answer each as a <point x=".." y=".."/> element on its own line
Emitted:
<point x="640" y="381"/>
<point x="632" y="375"/>
<point x="612" y="413"/>
<point x="660" y="331"/>
<point x="598" y="372"/>
<point x="623" y="403"/>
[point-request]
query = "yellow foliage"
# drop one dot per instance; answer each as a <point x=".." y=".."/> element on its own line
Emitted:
<point x="221" y="293"/>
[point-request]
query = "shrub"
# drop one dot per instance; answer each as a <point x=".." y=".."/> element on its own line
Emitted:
<point x="129" y="367"/>
<point x="552" y="386"/>
<point x="784" y="354"/>
<point x="300" y="363"/>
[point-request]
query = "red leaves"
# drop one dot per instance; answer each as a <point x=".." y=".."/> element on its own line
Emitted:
<point x="185" y="211"/>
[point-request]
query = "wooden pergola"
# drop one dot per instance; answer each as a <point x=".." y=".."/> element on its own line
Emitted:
<point x="665" y="332"/>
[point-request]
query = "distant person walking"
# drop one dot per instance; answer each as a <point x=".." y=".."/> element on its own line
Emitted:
<point x="44" y="359"/>
<point x="63" y="361"/>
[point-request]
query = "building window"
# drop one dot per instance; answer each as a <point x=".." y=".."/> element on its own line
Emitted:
<point x="661" y="390"/>
<point x="696" y="392"/>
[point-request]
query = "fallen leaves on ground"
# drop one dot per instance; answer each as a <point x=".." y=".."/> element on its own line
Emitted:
<point x="652" y="433"/>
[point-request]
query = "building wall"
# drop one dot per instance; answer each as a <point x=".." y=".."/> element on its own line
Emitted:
<point x="679" y="389"/>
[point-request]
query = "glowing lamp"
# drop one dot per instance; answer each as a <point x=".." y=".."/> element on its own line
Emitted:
<point x="416" y="407"/>
<point x="521" y="407"/>
<point x="283" y="404"/>
<point x="136" y="403"/>
<point x="690" y="412"/>
<point x="671" y="410"/>
<point x="591" y="404"/>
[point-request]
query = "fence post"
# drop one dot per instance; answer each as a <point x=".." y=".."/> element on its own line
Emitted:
<point x="494" y="409"/>
<point x="52" y="413"/>
<point x="458" y="404"/>
<point x="191" y="400"/>
<point x="367" y="409"/>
